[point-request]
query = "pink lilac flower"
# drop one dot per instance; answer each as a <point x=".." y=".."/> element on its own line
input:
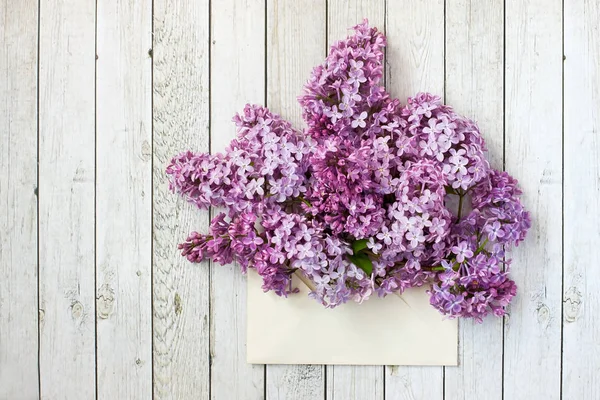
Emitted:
<point x="362" y="200"/>
<point x="462" y="251"/>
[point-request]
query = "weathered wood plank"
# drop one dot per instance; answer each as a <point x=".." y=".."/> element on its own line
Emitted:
<point x="297" y="382"/>
<point x="581" y="302"/>
<point x="344" y="14"/>
<point x="533" y="117"/>
<point x="124" y="199"/>
<point x="354" y="382"/>
<point x="475" y="88"/>
<point x="415" y="52"/>
<point x="237" y="77"/>
<point x="18" y="201"/>
<point x="295" y="44"/>
<point x="66" y="199"/>
<point x="414" y="383"/>
<point x="181" y="122"/>
<point x="415" y="63"/>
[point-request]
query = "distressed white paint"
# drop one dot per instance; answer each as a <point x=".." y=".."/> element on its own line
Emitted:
<point x="298" y="382"/>
<point x="18" y="200"/>
<point x="533" y="116"/>
<point x="124" y="199"/>
<point x="237" y="77"/>
<point x="353" y="382"/>
<point x="581" y="300"/>
<point x="342" y="15"/>
<point x="295" y="34"/>
<point x="181" y="122"/>
<point x="66" y="199"/>
<point x="295" y="44"/>
<point x="474" y="82"/>
<point x="415" y="63"/>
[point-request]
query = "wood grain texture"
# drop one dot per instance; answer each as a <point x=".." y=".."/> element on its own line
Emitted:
<point x="581" y="301"/>
<point x="415" y="63"/>
<point x="188" y="307"/>
<point x="474" y="87"/>
<point x="18" y="200"/>
<point x="533" y="117"/>
<point x="342" y="15"/>
<point x="295" y="44"/>
<point x="354" y="382"/>
<point x="301" y="382"/>
<point x="345" y="382"/>
<point x="414" y="383"/>
<point x="415" y="50"/>
<point x="124" y="199"/>
<point x="181" y="122"/>
<point x="237" y="77"/>
<point x="66" y="199"/>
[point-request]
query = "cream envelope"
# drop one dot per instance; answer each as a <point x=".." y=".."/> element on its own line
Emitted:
<point x="380" y="331"/>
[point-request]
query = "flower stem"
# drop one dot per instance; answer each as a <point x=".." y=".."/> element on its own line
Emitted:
<point x="433" y="268"/>
<point x="481" y="246"/>
<point x="460" y="202"/>
<point x="302" y="199"/>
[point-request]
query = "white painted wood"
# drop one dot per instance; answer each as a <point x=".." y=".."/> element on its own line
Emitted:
<point x="342" y="15"/>
<point x="301" y="382"/>
<point x="474" y="87"/>
<point x="581" y="301"/>
<point x="415" y="63"/>
<point x="295" y="44"/>
<point x="124" y="199"/>
<point x="18" y="201"/>
<point x="345" y="382"/>
<point x="414" y="383"/>
<point x="237" y="77"/>
<point x="415" y="50"/>
<point x="66" y="199"/>
<point x="353" y="382"/>
<point x="533" y="115"/>
<point x="181" y="122"/>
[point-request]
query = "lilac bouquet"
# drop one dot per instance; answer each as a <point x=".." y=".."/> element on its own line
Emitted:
<point x="372" y="197"/>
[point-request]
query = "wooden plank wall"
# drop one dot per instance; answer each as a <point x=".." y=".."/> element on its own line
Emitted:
<point x="288" y="62"/>
<point x="180" y="59"/>
<point x="533" y="151"/>
<point x="96" y="97"/>
<point x="474" y="79"/>
<point x="237" y="77"/>
<point x="417" y="64"/>
<point x="66" y="199"/>
<point x="124" y="199"/>
<point x="581" y="200"/>
<point x="18" y="199"/>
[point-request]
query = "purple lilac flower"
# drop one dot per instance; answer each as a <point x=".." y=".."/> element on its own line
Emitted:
<point x="364" y="199"/>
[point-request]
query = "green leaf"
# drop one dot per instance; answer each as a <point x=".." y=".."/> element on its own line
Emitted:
<point x="363" y="262"/>
<point x="359" y="245"/>
<point x="450" y="190"/>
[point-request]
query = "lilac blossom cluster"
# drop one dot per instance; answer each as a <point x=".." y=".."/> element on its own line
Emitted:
<point x="372" y="197"/>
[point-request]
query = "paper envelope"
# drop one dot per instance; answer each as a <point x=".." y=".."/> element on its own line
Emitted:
<point x="392" y="330"/>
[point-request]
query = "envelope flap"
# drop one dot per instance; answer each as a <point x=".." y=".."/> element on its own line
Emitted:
<point x="380" y="331"/>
